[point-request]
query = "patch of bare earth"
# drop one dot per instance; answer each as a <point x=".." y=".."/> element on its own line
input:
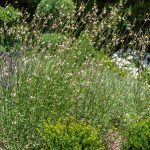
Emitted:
<point x="113" y="140"/>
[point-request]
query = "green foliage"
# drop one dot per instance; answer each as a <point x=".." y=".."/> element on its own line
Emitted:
<point x="31" y="5"/>
<point x="11" y="38"/>
<point x="61" y="84"/>
<point x="83" y="48"/>
<point x="9" y="15"/>
<point x="53" y="40"/>
<point x="2" y="48"/>
<point x="76" y="80"/>
<point x="55" y="7"/>
<point x="9" y="41"/>
<point x="70" y="135"/>
<point x="138" y="135"/>
<point x="145" y="74"/>
<point x="140" y="11"/>
<point x="33" y="2"/>
<point x="57" y="13"/>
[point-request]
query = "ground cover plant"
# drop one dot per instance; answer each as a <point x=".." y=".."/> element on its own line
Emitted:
<point x="55" y="69"/>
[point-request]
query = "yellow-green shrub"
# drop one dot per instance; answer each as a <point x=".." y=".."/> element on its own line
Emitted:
<point x="70" y="135"/>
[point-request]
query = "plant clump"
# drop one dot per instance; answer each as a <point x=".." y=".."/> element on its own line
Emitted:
<point x="70" y="135"/>
<point x="9" y="15"/>
<point x="55" y="7"/>
<point x="53" y="40"/>
<point x="138" y="136"/>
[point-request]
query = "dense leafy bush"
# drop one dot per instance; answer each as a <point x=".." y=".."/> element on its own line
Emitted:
<point x="70" y="135"/>
<point x="53" y="40"/>
<point x="9" y="15"/>
<point x="25" y="5"/>
<point x="56" y="12"/>
<point x="138" y="136"/>
<point x="55" y="7"/>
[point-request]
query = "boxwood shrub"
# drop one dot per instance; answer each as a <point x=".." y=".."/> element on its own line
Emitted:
<point x="67" y="134"/>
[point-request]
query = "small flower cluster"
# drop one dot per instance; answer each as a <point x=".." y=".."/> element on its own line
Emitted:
<point x="127" y="60"/>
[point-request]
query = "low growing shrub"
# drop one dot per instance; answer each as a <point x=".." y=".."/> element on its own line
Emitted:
<point x="138" y="136"/>
<point x="70" y="135"/>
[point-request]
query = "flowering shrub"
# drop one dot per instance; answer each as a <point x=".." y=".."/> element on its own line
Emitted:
<point x="138" y="136"/>
<point x="70" y="135"/>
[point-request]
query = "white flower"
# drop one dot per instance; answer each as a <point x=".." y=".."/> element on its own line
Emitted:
<point x="119" y="59"/>
<point x="134" y="71"/>
<point x="114" y="55"/>
<point x="130" y="57"/>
